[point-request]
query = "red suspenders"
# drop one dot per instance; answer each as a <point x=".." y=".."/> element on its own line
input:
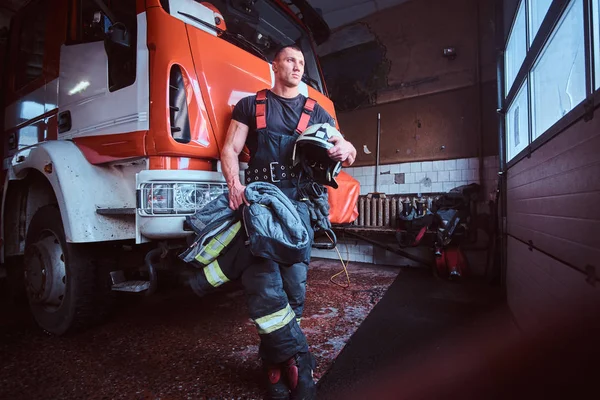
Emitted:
<point x="309" y="106"/>
<point x="261" y="109"/>
<point x="261" y="112"/>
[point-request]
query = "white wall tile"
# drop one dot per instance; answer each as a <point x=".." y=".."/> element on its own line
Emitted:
<point x="455" y="175"/>
<point x="474" y="173"/>
<point x="433" y="175"/>
<point x="386" y="179"/>
<point x="409" y="177"/>
<point x="402" y="189"/>
<point x="426" y="166"/>
<point x="449" y="165"/>
<point x="466" y="174"/>
<point x="384" y="189"/>
<point x="383" y="169"/>
<point x="462" y="163"/>
<point x="437" y="187"/>
<point x="415" y="167"/>
<point x="461" y="183"/>
<point x="405" y="167"/>
<point x="414" y="188"/>
<point x="419" y="176"/>
<point x="473" y="163"/>
<point x="369" y="171"/>
<point x="395" y="168"/>
<point x="438" y="166"/>
<point x="443" y="176"/>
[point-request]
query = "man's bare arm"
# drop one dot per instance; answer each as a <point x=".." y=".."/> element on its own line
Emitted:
<point x="234" y="143"/>
<point x="342" y="151"/>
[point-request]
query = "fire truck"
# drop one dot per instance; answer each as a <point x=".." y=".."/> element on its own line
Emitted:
<point x="114" y="115"/>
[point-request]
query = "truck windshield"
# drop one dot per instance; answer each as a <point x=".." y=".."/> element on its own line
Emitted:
<point x="259" y="27"/>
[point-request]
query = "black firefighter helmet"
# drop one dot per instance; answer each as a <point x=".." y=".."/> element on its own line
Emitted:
<point x="310" y="151"/>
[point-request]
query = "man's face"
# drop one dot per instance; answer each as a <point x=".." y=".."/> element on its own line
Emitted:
<point x="289" y="67"/>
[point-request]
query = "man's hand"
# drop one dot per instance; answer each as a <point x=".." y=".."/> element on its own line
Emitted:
<point x="237" y="196"/>
<point x="342" y="151"/>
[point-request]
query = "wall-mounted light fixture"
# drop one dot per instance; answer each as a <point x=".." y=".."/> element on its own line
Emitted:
<point x="450" y="53"/>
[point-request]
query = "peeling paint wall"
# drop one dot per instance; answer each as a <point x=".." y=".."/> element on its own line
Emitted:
<point x="432" y="107"/>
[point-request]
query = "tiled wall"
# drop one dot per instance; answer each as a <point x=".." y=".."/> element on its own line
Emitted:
<point x="353" y="250"/>
<point x="424" y="176"/>
<point x="443" y="176"/>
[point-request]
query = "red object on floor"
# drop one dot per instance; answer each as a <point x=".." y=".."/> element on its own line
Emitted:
<point x="452" y="263"/>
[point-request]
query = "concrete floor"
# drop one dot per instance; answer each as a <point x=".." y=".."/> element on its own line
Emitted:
<point x="177" y="346"/>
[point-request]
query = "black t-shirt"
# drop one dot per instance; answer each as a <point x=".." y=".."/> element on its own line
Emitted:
<point x="282" y="115"/>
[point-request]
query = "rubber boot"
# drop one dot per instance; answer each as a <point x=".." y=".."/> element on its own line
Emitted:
<point x="299" y="373"/>
<point x="277" y="389"/>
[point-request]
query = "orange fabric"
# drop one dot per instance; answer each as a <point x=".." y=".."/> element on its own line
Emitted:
<point x="342" y="201"/>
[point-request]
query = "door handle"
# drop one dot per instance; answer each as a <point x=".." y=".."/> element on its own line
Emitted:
<point x="64" y="122"/>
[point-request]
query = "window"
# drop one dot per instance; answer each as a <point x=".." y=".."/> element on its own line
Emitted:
<point x="30" y="57"/>
<point x="555" y="84"/>
<point x="517" y="124"/>
<point x="89" y="23"/>
<point x="558" y="78"/>
<point x="596" y="25"/>
<point x="537" y="12"/>
<point x="516" y="48"/>
<point x="259" y="27"/>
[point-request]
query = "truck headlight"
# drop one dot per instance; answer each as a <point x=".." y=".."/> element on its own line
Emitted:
<point x="178" y="197"/>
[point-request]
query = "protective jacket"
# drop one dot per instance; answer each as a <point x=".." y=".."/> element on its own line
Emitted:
<point x="276" y="228"/>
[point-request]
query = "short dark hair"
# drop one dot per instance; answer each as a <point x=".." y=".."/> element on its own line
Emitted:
<point x="288" y="46"/>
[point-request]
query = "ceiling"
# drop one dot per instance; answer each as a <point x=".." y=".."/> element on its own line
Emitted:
<point x="341" y="12"/>
<point x="335" y="12"/>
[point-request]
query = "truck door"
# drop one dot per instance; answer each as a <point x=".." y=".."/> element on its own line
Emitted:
<point x="104" y="85"/>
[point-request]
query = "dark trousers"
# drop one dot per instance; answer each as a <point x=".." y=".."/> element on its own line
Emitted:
<point x="275" y="295"/>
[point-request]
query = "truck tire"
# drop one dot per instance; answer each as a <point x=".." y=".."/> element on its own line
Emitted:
<point x="64" y="286"/>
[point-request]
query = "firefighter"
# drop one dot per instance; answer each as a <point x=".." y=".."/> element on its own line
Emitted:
<point x="268" y="124"/>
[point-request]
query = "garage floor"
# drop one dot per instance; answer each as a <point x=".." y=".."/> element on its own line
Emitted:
<point x="177" y="346"/>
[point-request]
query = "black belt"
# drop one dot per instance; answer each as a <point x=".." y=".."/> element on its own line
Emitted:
<point x="273" y="173"/>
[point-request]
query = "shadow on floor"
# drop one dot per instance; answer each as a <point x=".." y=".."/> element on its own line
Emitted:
<point x="410" y="326"/>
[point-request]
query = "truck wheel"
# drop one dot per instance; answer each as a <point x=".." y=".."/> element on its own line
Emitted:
<point x="61" y="279"/>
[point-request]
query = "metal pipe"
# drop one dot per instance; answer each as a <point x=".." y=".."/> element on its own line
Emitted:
<point x="361" y="211"/>
<point x="377" y="159"/>
<point x="150" y="256"/>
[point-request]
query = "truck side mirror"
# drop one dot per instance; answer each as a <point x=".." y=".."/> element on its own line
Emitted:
<point x="119" y="35"/>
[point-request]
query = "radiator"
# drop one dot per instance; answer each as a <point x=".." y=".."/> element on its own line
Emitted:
<point x="382" y="212"/>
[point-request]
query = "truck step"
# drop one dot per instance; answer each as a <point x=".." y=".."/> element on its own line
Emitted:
<point x="131" y="286"/>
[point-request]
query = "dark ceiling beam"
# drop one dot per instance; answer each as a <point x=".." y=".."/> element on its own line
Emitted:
<point x="7" y="9"/>
<point x="12" y="6"/>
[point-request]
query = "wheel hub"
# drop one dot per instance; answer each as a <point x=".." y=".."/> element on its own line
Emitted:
<point x="45" y="271"/>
